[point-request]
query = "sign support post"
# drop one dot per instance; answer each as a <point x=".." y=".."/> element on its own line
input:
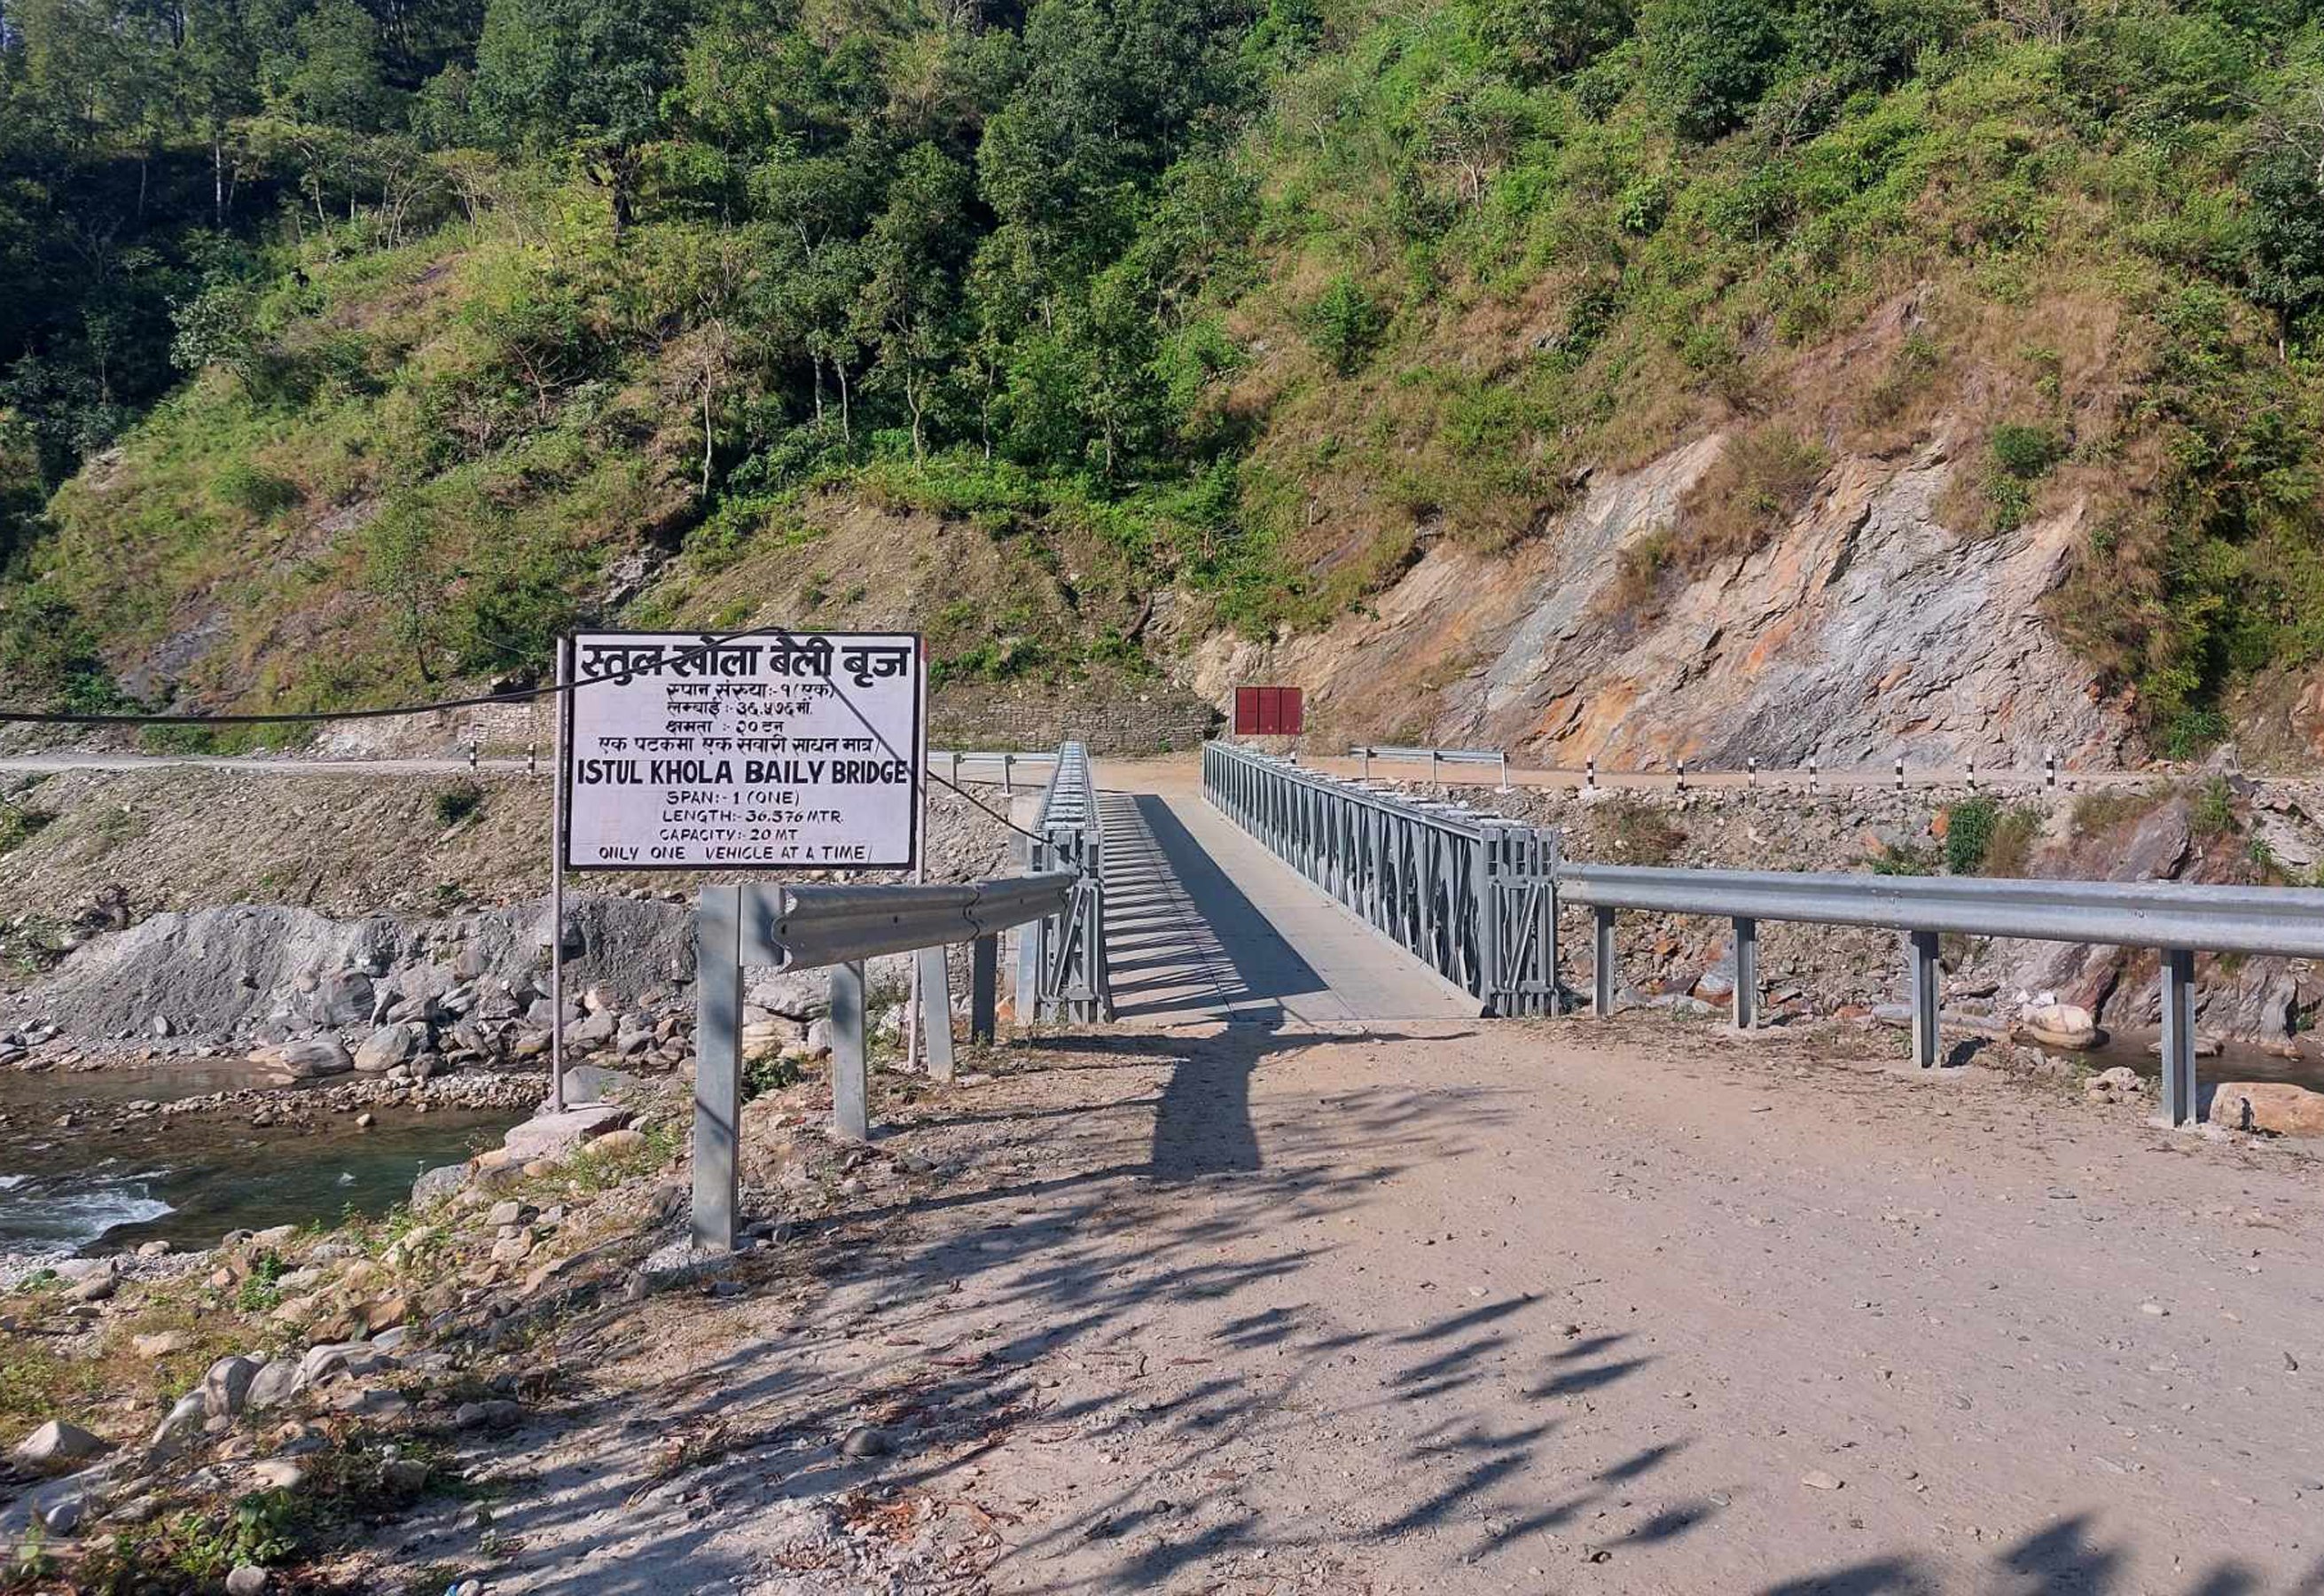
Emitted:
<point x="557" y="890"/>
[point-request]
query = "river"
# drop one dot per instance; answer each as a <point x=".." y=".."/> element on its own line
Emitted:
<point x="189" y="1179"/>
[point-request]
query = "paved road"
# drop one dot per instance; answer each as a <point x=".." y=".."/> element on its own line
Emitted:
<point x="1201" y="923"/>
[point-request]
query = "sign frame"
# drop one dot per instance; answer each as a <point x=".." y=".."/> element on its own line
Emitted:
<point x="916" y="755"/>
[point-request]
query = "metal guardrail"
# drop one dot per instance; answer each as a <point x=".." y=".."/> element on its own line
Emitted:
<point x="2178" y="918"/>
<point x="1467" y="893"/>
<point x="1059" y="903"/>
<point x="1008" y="759"/>
<point x="1437" y="759"/>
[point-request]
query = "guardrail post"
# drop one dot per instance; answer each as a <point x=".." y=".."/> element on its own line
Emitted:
<point x="717" y="1067"/>
<point x="1008" y="775"/>
<point x="955" y="769"/>
<point x="1435" y="774"/>
<point x="2179" y="1034"/>
<point x="1590" y="773"/>
<point x="2050" y="771"/>
<point x="1900" y="772"/>
<point x="983" y="989"/>
<point x="851" y="1084"/>
<point x="1367" y="753"/>
<point x="1972" y="774"/>
<point x="1924" y="998"/>
<point x="935" y="1011"/>
<point x="1811" y="773"/>
<point x="1604" y="975"/>
<point x="1746" y="973"/>
<point x="1505" y="770"/>
<point x="1751" y="771"/>
<point x="1682" y="775"/>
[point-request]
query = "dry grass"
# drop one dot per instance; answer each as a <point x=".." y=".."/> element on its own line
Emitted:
<point x="1762" y="479"/>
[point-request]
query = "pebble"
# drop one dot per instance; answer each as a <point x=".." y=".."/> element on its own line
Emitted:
<point x="1818" y="1480"/>
<point x="866" y="1441"/>
<point x="2155" y="1309"/>
<point x="248" y="1580"/>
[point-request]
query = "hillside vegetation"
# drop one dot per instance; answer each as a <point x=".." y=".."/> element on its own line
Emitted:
<point x="353" y="348"/>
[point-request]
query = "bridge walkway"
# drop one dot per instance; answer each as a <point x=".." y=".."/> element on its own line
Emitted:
<point x="1205" y="923"/>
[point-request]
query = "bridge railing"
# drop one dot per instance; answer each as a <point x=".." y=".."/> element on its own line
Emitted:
<point x="1061" y="957"/>
<point x="1467" y="893"/>
<point x="2178" y="918"/>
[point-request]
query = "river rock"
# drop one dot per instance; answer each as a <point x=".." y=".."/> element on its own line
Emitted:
<point x="185" y="1421"/>
<point x="164" y="1345"/>
<point x="56" y="1445"/>
<point x="2119" y="1081"/>
<point x="2276" y="1107"/>
<point x="2059" y="1025"/>
<point x="227" y="1386"/>
<point x="386" y="1048"/>
<point x="313" y="1058"/>
<point x="436" y="1184"/>
<point x="248" y="1580"/>
<point x="549" y="1136"/>
<point x="271" y="1386"/>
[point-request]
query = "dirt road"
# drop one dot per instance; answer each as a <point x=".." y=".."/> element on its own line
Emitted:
<point x="1447" y="1308"/>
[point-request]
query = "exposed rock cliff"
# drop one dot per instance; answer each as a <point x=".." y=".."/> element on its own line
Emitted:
<point x="1862" y="628"/>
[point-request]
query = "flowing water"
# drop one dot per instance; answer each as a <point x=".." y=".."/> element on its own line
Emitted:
<point x="190" y="1178"/>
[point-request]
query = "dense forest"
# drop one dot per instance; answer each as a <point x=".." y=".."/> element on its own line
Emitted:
<point x="356" y="340"/>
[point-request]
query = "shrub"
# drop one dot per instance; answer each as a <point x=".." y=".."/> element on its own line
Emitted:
<point x="2026" y="453"/>
<point x="257" y="493"/>
<point x="1345" y="324"/>
<point x="1637" y="833"/>
<point x="1762" y="479"/>
<point x="769" y="1074"/>
<point x="2212" y="812"/>
<point x="1982" y="838"/>
<point x="1968" y="830"/>
<point x="1903" y="858"/>
<point x="456" y="802"/>
<point x="19" y="824"/>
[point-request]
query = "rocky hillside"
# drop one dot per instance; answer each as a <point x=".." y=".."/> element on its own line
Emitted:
<point x="1777" y="378"/>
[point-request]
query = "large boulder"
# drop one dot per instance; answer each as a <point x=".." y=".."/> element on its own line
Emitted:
<point x="2059" y="1025"/>
<point x="2276" y="1107"/>
<point x="313" y="1058"/>
<point x="550" y="1136"/>
<point x="56" y="1445"/>
<point x="436" y="1184"/>
<point x="227" y="1386"/>
<point x="388" y="1046"/>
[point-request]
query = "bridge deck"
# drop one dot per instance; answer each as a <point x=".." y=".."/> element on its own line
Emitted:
<point x="1201" y="923"/>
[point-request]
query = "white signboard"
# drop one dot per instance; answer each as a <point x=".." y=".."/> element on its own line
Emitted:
<point x="793" y="750"/>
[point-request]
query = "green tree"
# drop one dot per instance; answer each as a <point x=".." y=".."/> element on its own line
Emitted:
<point x="908" y="311"/>
<point x="586" y="76"/>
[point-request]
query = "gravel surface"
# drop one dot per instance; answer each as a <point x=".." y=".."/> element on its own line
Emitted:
<point x="1646" y="1308"/>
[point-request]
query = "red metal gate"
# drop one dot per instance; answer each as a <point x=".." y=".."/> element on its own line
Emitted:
<point x="1268" y="712"/>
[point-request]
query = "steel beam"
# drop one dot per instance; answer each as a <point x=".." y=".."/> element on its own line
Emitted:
<point x="717" y="1067"/>
<point x="983" y="988"/>
<point x="1924" y="981"/>
<point x="851" y="1082"/>
<point x="935" y="1009"/>
<point x="1604" y="972"/>
<point x="2178" y="1102"/>
<point x="1747" y="972"/>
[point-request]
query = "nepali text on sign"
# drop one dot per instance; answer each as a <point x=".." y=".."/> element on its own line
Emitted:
<point x="796" y="750"/>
